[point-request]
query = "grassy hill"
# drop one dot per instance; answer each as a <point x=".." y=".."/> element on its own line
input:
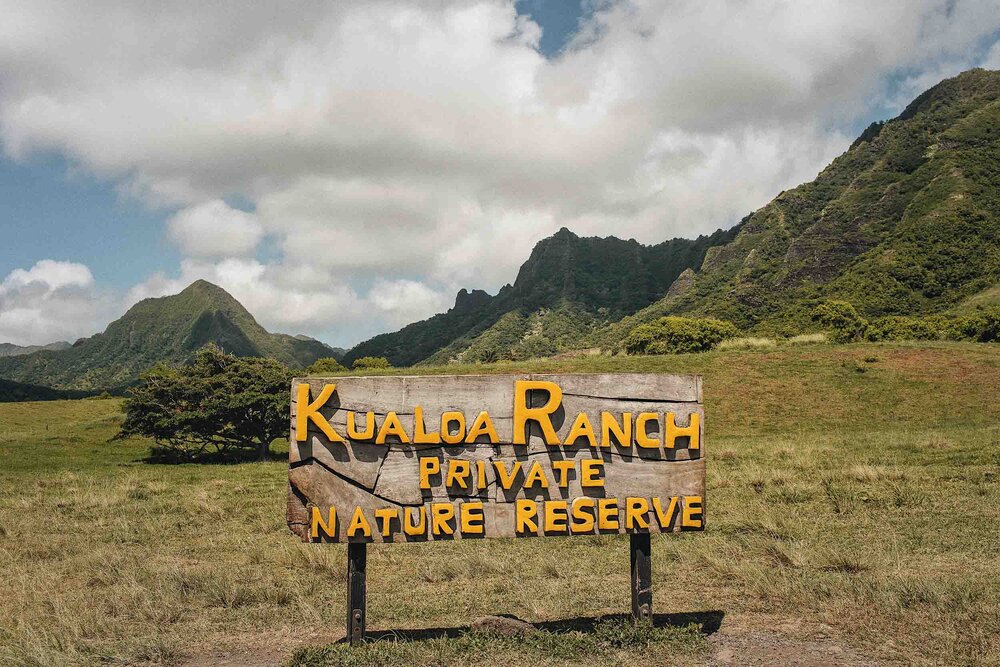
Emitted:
<point x="853" y="519"/>
<point x="168" y="329"/>
<point x="906" y="222"/>
<point x="569" y="286"/>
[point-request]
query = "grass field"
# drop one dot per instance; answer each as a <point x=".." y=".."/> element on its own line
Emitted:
<point x="853" y="497"/>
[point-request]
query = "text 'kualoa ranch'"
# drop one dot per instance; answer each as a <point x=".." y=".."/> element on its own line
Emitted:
<point x="611" y="428"/>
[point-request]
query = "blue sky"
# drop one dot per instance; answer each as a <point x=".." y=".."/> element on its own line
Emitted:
<point x="344" y="170"/>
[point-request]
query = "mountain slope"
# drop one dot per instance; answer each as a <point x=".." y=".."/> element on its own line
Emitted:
<point x="906" y="222"/>
<point x="168" y="329"/>
<point x="12" y="350"/>
<point x="568" y="286"/>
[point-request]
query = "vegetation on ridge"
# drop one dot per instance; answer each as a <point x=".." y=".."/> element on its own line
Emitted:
<point x="166" y="329"/>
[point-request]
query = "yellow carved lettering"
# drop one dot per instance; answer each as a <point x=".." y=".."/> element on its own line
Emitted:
<point x="458" y="472"/>
<point x="641" y="438"/>
<point x="411" y="526"/>
<point x="525" y="512"/>
<point x="536" y="475"/>
<point x="385" y="516"/>
<point x="665" y="517"/>
<point x="359" y="522"/>
<point x="583" y="517"/>
<point x="555" y="516"/>
<point x="354" y="434"/>
<point x="307" y="412"/>
<point x="581" y="428"/>
<point x="610" y="427"/>
<point x="471" y="518"/>
<point x="607" y="513"/>
<point x="506" y="479"/>
<point x="441" y="514"/>
<point x="329" y="527"/>
<point x="447" y="419"/>
<point x="563" y="468"/>
<point x="673" y="431"/>
<point x="420" y="435"/>
<point x="391" y="426"/>
<point x="691" y="514"/>
<point x="590" y="470"/>
<point x="541" y="416"/>
<point x="636" y="511"/>
<point x="429" y="465"/>
<point x="483" y="425"/>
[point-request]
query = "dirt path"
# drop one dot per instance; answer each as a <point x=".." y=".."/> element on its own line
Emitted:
<point x="787" y="645"/>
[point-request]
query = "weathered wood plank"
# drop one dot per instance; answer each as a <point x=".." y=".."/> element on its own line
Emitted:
<point x="386" y="477"/>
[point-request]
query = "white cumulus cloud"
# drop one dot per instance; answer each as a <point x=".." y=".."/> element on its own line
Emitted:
<point x="52" y="300"/>
<point x="393" y="151"/>
<point x="214" y="229"/>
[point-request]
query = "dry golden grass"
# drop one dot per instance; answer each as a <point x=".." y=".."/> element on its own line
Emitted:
<point x="867" y="502"/>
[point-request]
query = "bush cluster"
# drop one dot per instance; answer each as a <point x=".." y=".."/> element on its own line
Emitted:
<point x="847" y="325"/>
<point x="370" y="362"/>
<point x="669" y="335"/>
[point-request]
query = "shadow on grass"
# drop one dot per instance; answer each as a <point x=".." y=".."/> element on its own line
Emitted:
<point x="707" y="622"/>
<point x="166" y="456"/>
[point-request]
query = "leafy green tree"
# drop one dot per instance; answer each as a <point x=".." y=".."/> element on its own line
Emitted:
<point x="326" y="366"/>
<point x="371" y="363"/>
<point x="673" y="335"/>
<point x="840" y="316"/>
<point x="219" y="406"/>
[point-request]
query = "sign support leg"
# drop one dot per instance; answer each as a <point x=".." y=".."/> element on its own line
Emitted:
<point x="357" y="557"/>
<point x="642" y="577"/>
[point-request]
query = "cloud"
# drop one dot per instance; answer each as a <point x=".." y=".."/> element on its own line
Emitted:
<point x="51" y="301"/>
<point x="213" y="229"/>
<point x="400" y="144"/>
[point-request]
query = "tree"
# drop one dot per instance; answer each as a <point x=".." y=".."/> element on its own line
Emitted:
<point x="675" y="335"/>
<point x="326" y="366"/>
<point x="841" y="316"/>
<point x="371" y="362"/>
<point x="219" y="405"/>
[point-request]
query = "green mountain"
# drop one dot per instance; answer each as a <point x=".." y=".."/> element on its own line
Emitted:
<point x="168" y="329"/>
<point x="11" y="350"/>
<point x="906" y="222"/>
<point x="569" y="287"/>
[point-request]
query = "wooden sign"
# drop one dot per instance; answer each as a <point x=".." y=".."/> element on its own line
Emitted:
<point x="405" y="459"/>
<point x="414" y="459"/>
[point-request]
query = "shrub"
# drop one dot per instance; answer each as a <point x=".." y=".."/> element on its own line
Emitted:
<point x="678" y="334"/>
<point x="219" y="406"/>
<point x="983" y="327"/>
<point x="371" y="362"/>
<point x="840" y="316"/>
<point x="325" y="366"/>
<point x="897" y="327"/>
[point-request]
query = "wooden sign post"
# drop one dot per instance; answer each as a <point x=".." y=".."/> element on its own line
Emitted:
<point x="421" y="459"/>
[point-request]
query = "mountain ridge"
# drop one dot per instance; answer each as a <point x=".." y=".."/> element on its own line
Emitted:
<point x="169" y="328"/>
<point x="13" y="350"/>
<point x="904" y="222"/>
<point x="586" y="280"/>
